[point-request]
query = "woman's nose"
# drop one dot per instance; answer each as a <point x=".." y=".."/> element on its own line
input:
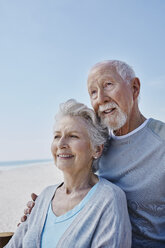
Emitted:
<point x="63" y="143"/>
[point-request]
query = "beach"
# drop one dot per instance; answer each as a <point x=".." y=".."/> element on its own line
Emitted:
<point x="16" y="186"/>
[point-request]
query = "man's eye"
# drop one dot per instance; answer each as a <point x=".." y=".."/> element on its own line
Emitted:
<point x="107" y="84"/>
<point x="93" y="93"/>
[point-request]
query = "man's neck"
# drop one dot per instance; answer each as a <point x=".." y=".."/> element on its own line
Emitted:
<point x="130" y="125"/>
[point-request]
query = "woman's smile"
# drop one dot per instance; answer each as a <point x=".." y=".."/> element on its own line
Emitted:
<point x="65" y="156"/>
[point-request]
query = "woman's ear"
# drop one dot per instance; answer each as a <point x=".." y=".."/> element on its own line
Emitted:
<point x="98" y="151"/>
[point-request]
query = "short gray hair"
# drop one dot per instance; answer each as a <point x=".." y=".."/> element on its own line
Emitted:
<point x="122" y="68"/>
<point x="98" y="134"/>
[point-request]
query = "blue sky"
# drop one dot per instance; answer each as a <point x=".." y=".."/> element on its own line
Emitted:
<point x="47" y="49"/>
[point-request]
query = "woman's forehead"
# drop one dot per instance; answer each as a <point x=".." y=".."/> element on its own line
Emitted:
<point x="70" y="123"/>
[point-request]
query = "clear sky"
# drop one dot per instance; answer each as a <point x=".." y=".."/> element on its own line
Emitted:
<point x="46" y="50"/>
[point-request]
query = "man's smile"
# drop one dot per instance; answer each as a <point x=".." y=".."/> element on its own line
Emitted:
<point x="107" y="111"/>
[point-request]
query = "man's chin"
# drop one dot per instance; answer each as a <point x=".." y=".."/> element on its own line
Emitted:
<point x="114" y="125"/>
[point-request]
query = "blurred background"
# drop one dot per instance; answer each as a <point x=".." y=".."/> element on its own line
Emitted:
<point x="47" y="49"/>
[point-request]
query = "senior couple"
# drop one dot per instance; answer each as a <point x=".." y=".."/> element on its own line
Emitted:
<point x="89" y="210"/>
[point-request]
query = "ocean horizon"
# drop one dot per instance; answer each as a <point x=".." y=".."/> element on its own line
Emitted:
<point x="20" y="163"/>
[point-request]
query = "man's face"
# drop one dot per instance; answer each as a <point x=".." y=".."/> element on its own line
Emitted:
<point x="111" y="97"/>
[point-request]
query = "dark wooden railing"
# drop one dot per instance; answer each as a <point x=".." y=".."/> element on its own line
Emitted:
<point x="4" y="238"/>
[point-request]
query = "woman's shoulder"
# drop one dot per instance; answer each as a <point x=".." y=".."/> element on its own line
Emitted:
<point x="49" y="188"/>
<point x="47" y="192"/>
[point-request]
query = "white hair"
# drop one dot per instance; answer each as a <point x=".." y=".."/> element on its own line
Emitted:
<point x="98" y="134"/>
<point x="122" y="68"/>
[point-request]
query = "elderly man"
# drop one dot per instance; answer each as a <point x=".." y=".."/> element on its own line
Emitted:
<point x="135" y="158"/>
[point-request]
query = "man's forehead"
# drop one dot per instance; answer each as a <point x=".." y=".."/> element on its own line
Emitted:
<point x="101" y="67"/>
<point x="101" y="74"/>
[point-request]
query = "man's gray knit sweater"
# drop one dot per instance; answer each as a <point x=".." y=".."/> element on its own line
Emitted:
<point x="137" y="165"/>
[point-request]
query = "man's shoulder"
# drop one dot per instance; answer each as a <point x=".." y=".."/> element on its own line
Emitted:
<point x="157" y="127"/>
<point x="112" y="198"/>
<point x="109" y="188"/>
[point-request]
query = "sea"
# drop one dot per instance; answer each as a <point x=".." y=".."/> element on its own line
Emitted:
<point x="7" y="165"/>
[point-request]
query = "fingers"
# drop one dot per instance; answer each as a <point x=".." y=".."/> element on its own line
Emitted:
<point x="29" y="208"/>
<point x="23" y="218"/>
<point x="27" y="211"/>
<point x="34" y="196"/>
<point x="30" y="205"/>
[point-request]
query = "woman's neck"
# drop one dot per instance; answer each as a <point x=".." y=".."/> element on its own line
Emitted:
<point x="75" y="183"/>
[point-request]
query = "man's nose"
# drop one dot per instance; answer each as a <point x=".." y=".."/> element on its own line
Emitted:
<point x="102" y="97"/>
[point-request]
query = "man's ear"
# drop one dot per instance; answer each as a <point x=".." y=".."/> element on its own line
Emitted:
<point x="98" y="151"/>
<point x="135" y="83"/>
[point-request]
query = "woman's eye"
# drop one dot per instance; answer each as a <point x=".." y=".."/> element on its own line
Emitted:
<point x="73" y="136"/>
<point x="56" y="136"/>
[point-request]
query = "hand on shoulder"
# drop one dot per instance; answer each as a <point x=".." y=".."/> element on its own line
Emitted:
<point x="29" y="208"/>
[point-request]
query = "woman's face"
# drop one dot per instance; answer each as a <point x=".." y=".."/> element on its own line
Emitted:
<point x="71" y="147"/>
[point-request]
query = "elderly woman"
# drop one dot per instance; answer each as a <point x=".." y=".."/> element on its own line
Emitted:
<point x="83" y="211"/>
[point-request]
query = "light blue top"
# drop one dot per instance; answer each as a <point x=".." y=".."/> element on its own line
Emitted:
<point x="102" y="222"/>
<point x="55" y="226"/>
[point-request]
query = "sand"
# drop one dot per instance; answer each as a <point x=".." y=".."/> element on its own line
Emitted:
<point x="16" y="186"/>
